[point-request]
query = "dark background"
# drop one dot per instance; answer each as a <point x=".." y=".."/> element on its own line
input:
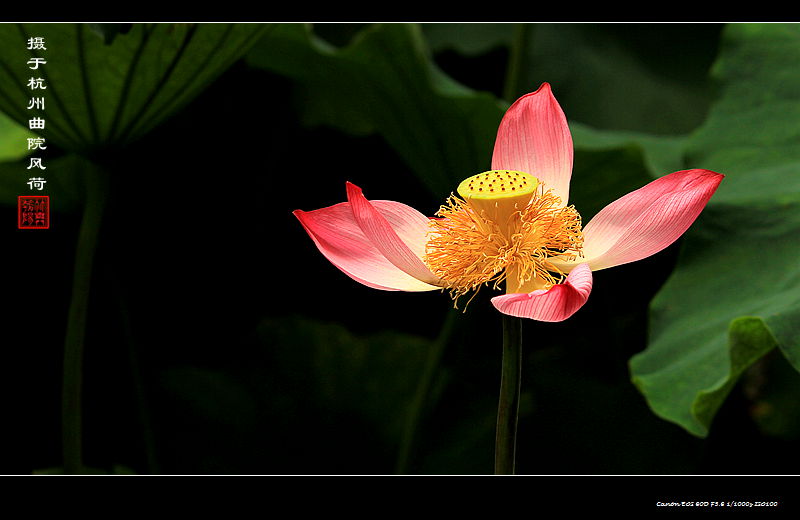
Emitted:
<point x="221" y="342"/>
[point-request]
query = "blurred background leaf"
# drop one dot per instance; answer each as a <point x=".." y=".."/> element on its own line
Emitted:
<point x="735" y="291"/>
<point x="102" y="93"/>
<point x="649" y="78"/>
<point x="334" y="402"/>
<point x="384" y="81"/>
<point x="66" y="188"/>
<point x="109" y="31"/>
<point x="13" y="139"/>
<point x="627" y="76"/>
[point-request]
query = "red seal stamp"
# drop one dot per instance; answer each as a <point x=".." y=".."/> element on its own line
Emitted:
<point x="33" y="211"/>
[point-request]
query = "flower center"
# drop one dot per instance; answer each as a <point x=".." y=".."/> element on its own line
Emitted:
<point x="498" y="185"/>
<point x="506" y="228"/>
<point x="499" y="194"/>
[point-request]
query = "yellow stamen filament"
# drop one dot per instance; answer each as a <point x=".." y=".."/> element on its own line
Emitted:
<point x="505" y="235"/>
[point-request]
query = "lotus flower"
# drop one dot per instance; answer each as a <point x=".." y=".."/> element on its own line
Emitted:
<point x="511" y="224"/>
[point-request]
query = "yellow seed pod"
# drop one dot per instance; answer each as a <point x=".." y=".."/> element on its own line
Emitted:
<point x="498" y="194"/>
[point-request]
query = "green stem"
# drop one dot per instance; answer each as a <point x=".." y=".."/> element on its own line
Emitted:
<point x="415" y="413"/>
<point x="516" y="61"/>
<point x="508" y="407"/>
<point x="511" y="371"/>
<point x="71" y="414"/>
<point x="136" y="374"/>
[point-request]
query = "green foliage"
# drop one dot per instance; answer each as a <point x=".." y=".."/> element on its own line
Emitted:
<point x="372" y="378"/>
<point x="384" y="81"/>
<point x="13" y="139"/>
<point x="734" y="294"/>
<point x="105" y="92"/>
<point x="66" y="188"/>
<point x="626" y="76"/>
<point x="332" y="400"/>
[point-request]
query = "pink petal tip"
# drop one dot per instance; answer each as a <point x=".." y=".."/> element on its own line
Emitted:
<point x="534" y="137"/>
<point x="647" y="220"/>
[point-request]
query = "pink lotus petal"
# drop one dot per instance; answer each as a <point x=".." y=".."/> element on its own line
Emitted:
<point x="647" y="220"/>
<point x="410" y="225"/>
<point x="407" y="256"/>
<point x="340" y="239"/>
<point x="534" y="137"/>
<point x="555" y="304"/>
